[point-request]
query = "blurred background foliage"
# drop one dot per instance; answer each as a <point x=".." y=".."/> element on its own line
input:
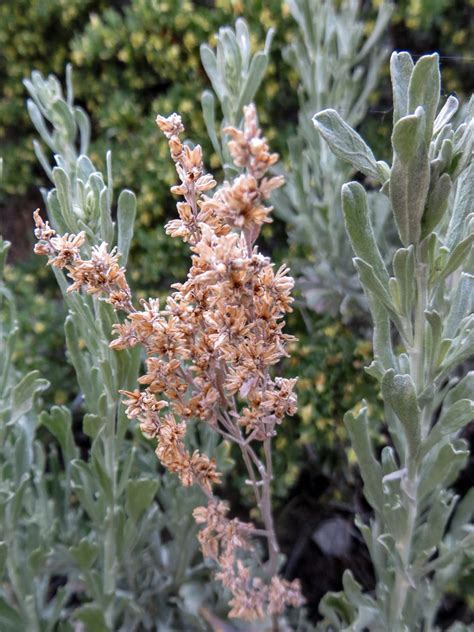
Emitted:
<point x="133" y="59"/>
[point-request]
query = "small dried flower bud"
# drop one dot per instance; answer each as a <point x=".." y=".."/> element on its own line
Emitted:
<point x="176" y="148"/>
<point x="68" y="249"/>
<point x="43" y="231"/>
<point x="171" y="125"/>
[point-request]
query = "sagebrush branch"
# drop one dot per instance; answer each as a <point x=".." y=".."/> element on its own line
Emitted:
<point x="210" y="349"/>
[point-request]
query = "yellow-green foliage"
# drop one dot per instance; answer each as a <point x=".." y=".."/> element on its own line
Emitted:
<point x="33" y="35"/>
<point x="132" y="60"/>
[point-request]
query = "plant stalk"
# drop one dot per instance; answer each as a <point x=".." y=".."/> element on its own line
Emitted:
<point x="417" y="368"/>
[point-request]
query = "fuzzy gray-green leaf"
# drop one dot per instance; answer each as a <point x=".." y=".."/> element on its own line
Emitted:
<point x="424" y="90"/>
<point x="139" y="495"/>
<point x="126" y="211"/>
<point x="437" y="204"/>
<point x="370" y="469"/>
<point x="404" y="269"/>
<point x="458" y="415"/>
<point x="257" y="69"/>
<point x="401" y="68"/>
<point x="24" y="394"/>
<point x="410" y="176"/>
<point x="209" y="114"/>
<point x="360" y="230"/>
<point x="400" y="393"/>
<point x="346" y="143"/>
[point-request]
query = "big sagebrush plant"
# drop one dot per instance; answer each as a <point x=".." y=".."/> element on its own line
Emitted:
<point x="420" y="538"/>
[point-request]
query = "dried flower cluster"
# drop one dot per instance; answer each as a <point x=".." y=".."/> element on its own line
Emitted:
<point x="222" y="539"/>
<point x="101" y="274"/>
<point x="210" y="348"/>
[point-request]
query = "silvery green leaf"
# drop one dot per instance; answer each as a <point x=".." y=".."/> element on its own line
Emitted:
<point x="108" y="376"/>
<point x="382" y="342"/>
<point x="124" y="477"/>
<point x="63" y="186"/>
<point x="110" y="179"/>
<point x="92" y="616"/>
<point x="100" y="474"/>
<point x="59" y="423"/>
<point x="389" y="463"/>
<point x="457" y="257"/>
<point x="436" y="205"/>
<point x="432" y="531"/>
<point x="400" y="393"/>
<point x="446" y="113"/>
<point x="89" y="387"/>
<point x="370" y="469"/>
<point x="10" y="619"/>
<point x="463" y="148"/>
<point x="126" y="211"/>
<point x="346" y="143"/>
<point x="232" y="49"/>
<point x="337" y="610"/>
<point x="84" y="487"/>
<point x="15" y="502"/>
<point x="106" y="223"/>
<point x="85" y="168"/>
<point x="461" y="304"/>
<point x="139" y="496"/>
<point x="257" y="69"/>
<point x="424" y="90"/>
<point x="410" y="175"/>
<point x="443" y="160"/>
<point x="90" y="234"/>
<point x="404" y="269"/>
<point x="84" y="553"/>
<point x="84" y="125"/>
<point x="40" y="155"/>
<point x="439" y="467"/>
<point x="24" y="394"/>
<point x="360" y="230"/>
<point x="60" y="109"/>
<point x="243" y="38"/>
<point x="22" y="455"/>
<point x="39" y="123"/>
<point x="363" y="602"/>
<point x="3" y="557"/>
<point x="453" y="419"/>
<point x="396" y="294"/>
<point x="464" y="389"/>
<point x="429" y="248"/>
<point x="401" y="68"/>
<point x="434" y="334"/>
<point x="209" y="113"/>
<point x="92" y="424"/>
<point x="389" y="544"/>
<point x="209" y="61"/>
<point x="371" y="283"/>
<point x="463" y="515"/>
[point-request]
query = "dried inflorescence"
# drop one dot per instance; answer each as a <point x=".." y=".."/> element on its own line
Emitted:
<point x="224" y="540"/>
<point x="101" y="274"/>
<point x="211" y="347"/>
